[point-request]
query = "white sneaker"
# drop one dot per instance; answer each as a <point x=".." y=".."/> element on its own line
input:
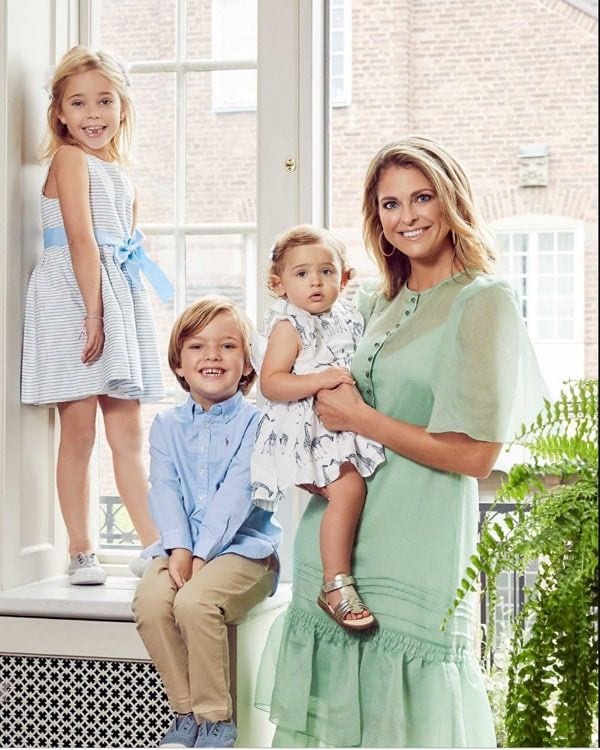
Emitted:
<point x="139" y="564"/>
<point x="84" y="570"/>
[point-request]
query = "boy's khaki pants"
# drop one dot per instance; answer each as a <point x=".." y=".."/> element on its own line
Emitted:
<point x="185" y="631"/>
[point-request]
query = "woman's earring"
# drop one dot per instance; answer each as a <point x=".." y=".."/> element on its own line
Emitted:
<point x="453" y="237"/>
<point x="383" y="252"/>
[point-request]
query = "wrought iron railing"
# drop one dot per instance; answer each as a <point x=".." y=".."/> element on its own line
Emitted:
<point x="511" y="588"/>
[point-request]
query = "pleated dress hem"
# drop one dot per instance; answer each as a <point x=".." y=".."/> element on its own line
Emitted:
<point x="315" y="677"/>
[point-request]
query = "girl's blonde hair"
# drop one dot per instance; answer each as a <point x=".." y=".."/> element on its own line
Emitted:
<point x="473" y="245"/>
<point x="194" y="319"/>
<point x="79" y="60"/>
<point x="303" y="234"/>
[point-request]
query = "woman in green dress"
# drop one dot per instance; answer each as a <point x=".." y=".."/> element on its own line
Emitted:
<point x="445" y="375"/>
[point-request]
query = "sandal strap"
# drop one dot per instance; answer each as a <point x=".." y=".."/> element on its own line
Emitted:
<point x="349" y="606"/>
<point x="338" y="582"/>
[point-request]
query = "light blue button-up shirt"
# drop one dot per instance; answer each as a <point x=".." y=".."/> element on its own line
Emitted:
<point x="200" y="496"/>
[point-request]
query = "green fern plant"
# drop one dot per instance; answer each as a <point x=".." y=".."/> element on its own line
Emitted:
<point x="553" y="662"/>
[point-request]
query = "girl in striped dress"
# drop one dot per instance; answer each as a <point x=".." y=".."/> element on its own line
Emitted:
<point x="89" y="337"/>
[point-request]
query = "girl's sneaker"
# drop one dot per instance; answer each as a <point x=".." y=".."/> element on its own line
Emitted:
<point x="84" y="570"/>
<point x="181" y="733"/>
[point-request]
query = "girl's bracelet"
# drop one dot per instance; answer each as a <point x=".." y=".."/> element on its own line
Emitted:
<point x="83" y="332"/>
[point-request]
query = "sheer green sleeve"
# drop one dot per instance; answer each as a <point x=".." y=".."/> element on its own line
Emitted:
<point x="488" y="382"/>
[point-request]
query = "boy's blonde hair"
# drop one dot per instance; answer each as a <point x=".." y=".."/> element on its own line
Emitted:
<point x="304" y="234"/>
<point x="79" y="60"/>
<point x="194" y="319"/>
<point x="473" y="245"/>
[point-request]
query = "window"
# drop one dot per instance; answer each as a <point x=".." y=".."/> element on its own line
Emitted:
<point x="542" y="257"/>
<point x="340" y="53"/>
<point x="195" y="171"/>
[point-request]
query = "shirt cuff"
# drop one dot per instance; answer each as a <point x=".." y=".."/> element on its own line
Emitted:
<point x="176" y="538"/>
<point x="205" y="549"/>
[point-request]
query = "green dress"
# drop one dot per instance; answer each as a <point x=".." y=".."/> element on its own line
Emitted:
<point x="453" y="358"/>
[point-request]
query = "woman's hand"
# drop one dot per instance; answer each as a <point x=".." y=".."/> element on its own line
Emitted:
<point x="337" y="408"/>
<point x="180" y="566"/>
<point x="94" y="340"/>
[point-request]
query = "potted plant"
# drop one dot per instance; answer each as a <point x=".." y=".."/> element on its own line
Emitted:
<point x="553" y="658"/>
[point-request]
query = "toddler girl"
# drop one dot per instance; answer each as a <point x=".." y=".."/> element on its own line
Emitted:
<point x="312" y="335"/>
<point x="89" y="336"/>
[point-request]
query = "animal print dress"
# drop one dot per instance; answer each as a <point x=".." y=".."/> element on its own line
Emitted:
<point x="292" y="446"/>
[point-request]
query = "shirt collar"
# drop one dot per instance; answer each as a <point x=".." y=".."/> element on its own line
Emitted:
<point x="226" y="409"/>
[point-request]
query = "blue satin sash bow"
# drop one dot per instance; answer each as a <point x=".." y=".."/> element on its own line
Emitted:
<point x="128" y="252"/>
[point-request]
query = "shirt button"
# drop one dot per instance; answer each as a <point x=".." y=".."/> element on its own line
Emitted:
<point x="407" y="312"/>
<point x="368" y="375"/>
<point x="376" y="344"/>
<point x="369" y="391"/>
<point x="398" y="325"/>
<point x="369" y="359"/>
<point x="412" y="299"/>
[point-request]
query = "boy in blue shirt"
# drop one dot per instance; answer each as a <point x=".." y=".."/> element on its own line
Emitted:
<point x="218" y="550"/>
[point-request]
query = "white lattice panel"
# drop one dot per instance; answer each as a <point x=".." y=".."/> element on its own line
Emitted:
<point x="66" y="702"/>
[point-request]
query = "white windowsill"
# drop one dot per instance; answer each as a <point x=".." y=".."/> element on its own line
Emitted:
<point x="56" y="598"/>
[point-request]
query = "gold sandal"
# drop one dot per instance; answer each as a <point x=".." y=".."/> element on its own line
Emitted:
<point x="349" y="603"/>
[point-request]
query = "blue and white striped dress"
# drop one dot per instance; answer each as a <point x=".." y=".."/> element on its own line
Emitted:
<point x="129" y="366"/>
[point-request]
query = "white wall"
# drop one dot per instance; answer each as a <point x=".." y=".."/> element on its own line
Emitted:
<point x="32" y="542"/>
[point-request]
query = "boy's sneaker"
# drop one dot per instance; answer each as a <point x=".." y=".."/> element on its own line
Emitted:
<point x="219" y="734"/>
<point x="84" y="570"/>
<point x="139" y="564"/>
<point x="181" y="733"/>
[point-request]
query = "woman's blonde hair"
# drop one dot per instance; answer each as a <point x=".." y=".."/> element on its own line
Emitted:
<point x="473" y="245"/>
<point x="79" y="60"/>
<point x="303" y="234"/>
<point x="194" y="319"/>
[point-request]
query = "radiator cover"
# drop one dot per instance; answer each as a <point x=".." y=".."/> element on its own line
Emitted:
<point x="48" y="701"/>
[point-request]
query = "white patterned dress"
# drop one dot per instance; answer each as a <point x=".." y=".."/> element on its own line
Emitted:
<point x="292" y="446"/>
<point x="129" y="366"/>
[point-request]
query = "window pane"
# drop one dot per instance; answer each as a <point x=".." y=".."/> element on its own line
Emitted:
<point x="221" y="29"/>
<point x="216" y="265"/>
<point x="220" y="159"/>
<point x="565" y="263"/>
<point x="546" y="307"/>
<point x="564" y="285"/>
<point x="564" y="307"/>
<point x="520" y="243"/>
<point x="337" y="42"/>
<point x="546" y="264"/>
<point x="233" y="90"/>
<point x="546" y="242"/>
<point x="565" y="242"/>
<point x="337" y="65"/>
<point x="545" y="329"/>
<point x="153" y="170"/>
<point x="565" y="329"/>
<point x="139" y="31"/>
<point x="546" y="285"/>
